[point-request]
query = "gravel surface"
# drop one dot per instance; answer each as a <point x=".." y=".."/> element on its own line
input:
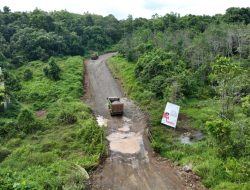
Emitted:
<point x="131" y="163"/>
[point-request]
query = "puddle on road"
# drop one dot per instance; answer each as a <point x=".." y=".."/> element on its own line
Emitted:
<point x="126" y="119"/>
<point x="125" y="128"/>
<point x="102" y="122"/>
<point x="126" y="143"/>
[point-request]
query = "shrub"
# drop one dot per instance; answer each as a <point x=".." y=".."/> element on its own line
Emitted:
<point x="26" y="122"/>
<point x="27" y="75"/>
<point x="42" y="159"/>
<point x="228" y="186"/>
<point x="8" y="129"/>
<point x="67" y="117"/>
<point x="220" y="131"/>
<point x="46" y="71"/>
<point x="4" y="153"/>
<point x="14" y="142"/>
<point x="246" y="105"/>
<point x="48" y="146"/>
<point x="211" y="171"/>
<point x="92" y="138"/>
<point x="237" y="170"/>
<point x="53" y="71"/>
<point x="11" y="82"/>
<point x="174" y="155"/>
<point x="76" y="179"/>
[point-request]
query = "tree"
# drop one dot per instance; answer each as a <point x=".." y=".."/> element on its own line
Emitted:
<point x="128" y="25"/>
<point x="12" y="83"/>
<point x="224" y="73"/>
<point x="220" y="131"/>
<point x="245" y="102"/>
<point x="42" y="20"/>
<point x="53" y="70"/>
<point x="6" y="9"/>
<point x="235" y="14"/>
<point x="26" y="122"/>
<point x="88" y="19"/>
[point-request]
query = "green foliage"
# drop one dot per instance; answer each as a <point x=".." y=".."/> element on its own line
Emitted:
<point x="219" y="130"/>
<point x="4" y="153"/>
<point x="246" y="105"/>
<point x="239" y="15"/>
<point x="40" y="35"/>
<point x="211" y="171"/>
<point x="67" y="117"/>
<point x="27" y="75"/>
<point x="8" y="129"/>
<point x="220" y="159"/>
<point x="237" y="169"/>
<point x="223" y="73"/>
<point x="92" y="138"/>
<point x="76" y="179"/>
<point x="9" y="180"/>
<point x="152" y="64"/>
<point x="12" y="83"/>
<point x="175" y="59"/>
<point x="26" y="122"/>
<point x="2" y="93"/>
<point x="230" y="186"/>
<point x="159" y="72"/>
<point x="42" y="152"/>
<point x="53" y="71"/>
<point x="156" y="85"/>
<point x="173" y="92"/>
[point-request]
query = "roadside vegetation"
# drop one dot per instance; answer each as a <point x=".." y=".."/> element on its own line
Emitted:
<point x="48" y="137"/>
<point x="221" y="158"/>
<point x="51" y="138"/>
<point x="197" y="63"/>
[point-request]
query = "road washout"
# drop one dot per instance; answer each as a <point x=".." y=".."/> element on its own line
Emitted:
<point x="126" y="143"/>
<point x="131" y="163"/>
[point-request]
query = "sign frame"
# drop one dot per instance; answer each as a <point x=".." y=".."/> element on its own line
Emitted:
<point x="170" y="115"/>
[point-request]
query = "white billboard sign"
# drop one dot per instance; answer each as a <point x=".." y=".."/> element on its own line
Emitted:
<point x="170" y="115"/>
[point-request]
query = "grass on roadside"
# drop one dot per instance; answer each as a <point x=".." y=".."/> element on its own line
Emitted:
<point x="68" y="140"/>
<point x="215" y="172"/>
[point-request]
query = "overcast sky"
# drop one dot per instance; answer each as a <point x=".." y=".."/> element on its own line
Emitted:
<point x="122" y="8"/>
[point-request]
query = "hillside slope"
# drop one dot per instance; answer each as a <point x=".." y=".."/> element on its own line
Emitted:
<point x="52" y="137"/>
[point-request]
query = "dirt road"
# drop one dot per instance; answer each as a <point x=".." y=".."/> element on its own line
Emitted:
<point x="130" y="164"/>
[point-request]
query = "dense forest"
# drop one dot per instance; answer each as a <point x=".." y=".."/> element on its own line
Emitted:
<point x="201" y="63"/>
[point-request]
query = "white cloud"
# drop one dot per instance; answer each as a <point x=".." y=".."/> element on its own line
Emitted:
<point x="122" y="8"/>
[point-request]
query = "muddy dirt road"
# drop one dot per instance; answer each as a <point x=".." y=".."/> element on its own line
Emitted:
<point x="130" y="164"/>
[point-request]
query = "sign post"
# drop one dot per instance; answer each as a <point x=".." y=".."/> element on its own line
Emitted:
<point x="170" y="115"/>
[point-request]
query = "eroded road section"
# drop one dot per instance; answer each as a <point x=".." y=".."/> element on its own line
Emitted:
<point x="130" y="164"/>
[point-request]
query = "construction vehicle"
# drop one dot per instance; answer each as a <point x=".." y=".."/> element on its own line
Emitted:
<point x="115" y="106"/>
<point x="94" y="56"/>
